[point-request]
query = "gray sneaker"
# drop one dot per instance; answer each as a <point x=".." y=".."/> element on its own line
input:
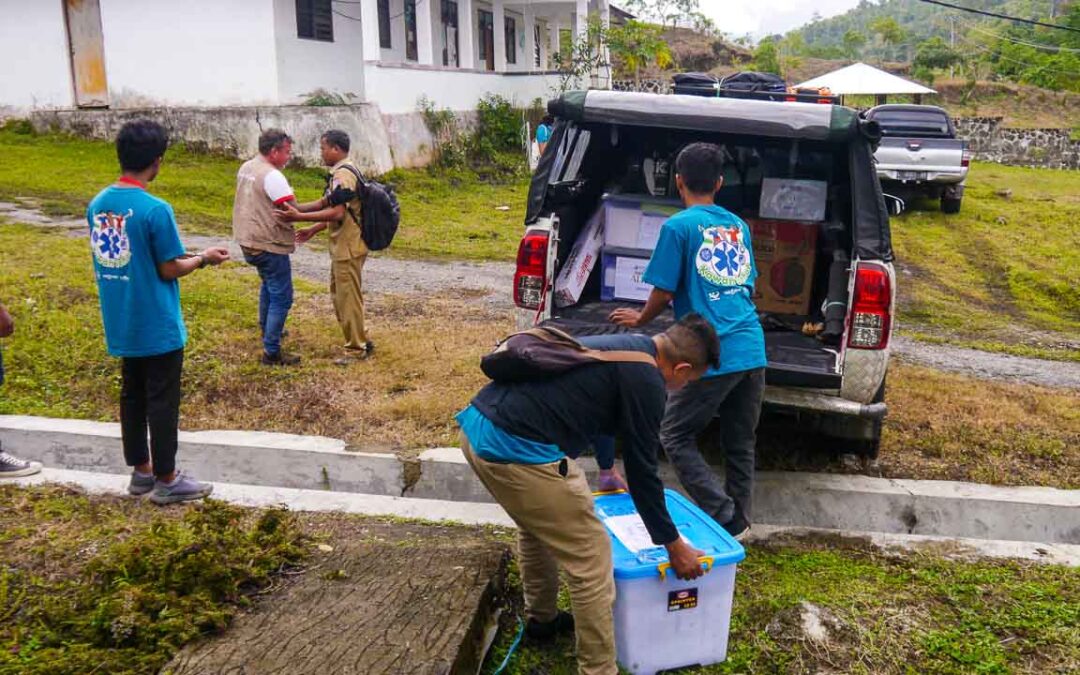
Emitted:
<point x="140" y="485"/>
<point x="13" y="467"/>
<point x="184" y="489"/>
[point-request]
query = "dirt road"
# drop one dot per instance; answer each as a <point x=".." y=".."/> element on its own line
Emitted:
<point x="490" y="283"/>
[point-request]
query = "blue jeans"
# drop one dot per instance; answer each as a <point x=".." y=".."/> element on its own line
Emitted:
<point x="275" y="296"/>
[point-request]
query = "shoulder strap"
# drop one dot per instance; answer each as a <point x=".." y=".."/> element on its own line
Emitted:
<point x="356" y="172"/>
<point x="554" y="335"/>
<point x="616" y="356"/>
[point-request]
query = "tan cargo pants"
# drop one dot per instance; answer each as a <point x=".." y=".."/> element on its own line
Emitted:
<point x="558" y="528"/>
<point x="345" y="277"/>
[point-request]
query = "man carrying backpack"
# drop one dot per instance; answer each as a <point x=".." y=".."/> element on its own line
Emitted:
<point x="521" y="437"/>
<point x="340" y="211"/>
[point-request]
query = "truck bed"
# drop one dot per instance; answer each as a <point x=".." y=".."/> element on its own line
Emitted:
<point x="795" y="360"/>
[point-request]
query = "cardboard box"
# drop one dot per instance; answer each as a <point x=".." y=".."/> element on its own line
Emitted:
<point x="634" y="221"/>
<point x="622" y="271"/>
<point x="790" y="199"/>
<point x="570" y="281"/>
<point x="785" y="252"/>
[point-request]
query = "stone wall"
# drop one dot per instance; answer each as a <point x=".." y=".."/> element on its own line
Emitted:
<point x="647" y="86"/>
<point x="379" y="142"/>
<point x="992" y="142"/>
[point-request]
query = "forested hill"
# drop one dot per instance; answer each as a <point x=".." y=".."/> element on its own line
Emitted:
<point x="895" y="30"/>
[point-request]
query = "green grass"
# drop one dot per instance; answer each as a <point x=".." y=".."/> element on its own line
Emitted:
<point x="919" y="613"/>
<point x="106" y="585"/>
<point x="404" y="398"/>
<point x="443" y="216"/>
<point x="1004" y="273"/>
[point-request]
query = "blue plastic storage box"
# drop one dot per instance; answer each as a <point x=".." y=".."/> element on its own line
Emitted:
<point x="661" y="622"/>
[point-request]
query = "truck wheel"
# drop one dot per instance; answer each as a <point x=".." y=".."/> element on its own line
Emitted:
<point x="950" y="205"/>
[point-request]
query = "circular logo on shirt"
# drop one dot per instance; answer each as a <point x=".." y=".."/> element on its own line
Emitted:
<point x="109" y="240"/>
<point x="723" y="258"/>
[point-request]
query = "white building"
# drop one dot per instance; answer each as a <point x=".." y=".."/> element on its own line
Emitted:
<point x="130" y="54"/>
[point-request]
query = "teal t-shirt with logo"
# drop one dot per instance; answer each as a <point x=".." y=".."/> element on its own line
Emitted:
<point x="704" y="257"/>
<point x="131" y="233"/>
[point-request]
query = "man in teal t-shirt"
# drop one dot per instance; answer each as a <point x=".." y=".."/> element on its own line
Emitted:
<point x="703" y="262"/>
<point x="138" y="256"/>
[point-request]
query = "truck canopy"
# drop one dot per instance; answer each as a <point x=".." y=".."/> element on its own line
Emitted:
<point x="737" y="117"/>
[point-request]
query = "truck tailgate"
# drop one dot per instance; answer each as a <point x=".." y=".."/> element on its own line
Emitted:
<point x="921" y="159"/>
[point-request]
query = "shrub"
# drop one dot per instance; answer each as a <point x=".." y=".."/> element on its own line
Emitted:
<point x="498" y="126"/>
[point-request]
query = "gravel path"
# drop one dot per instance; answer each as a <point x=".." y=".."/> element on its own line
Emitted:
<point x="490" y="283"/>
<point x="988" y="365"/>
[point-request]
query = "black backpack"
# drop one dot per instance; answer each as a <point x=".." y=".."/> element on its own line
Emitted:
<point x="544" y="352"/>
<point x="379" y="211"/>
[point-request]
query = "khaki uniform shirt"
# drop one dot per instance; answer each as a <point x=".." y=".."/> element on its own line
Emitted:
<point x="346" y="241"/>
<point x="259" y="185"/>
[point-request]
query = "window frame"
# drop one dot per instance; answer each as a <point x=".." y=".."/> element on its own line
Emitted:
<point x="319" y="17"/>
<point x="510" y="39"/>
<point x="386" y="28"/>
<point x="412" y="47"/>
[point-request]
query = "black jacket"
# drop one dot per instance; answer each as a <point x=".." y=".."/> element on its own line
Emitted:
<point x="603" y="399"/>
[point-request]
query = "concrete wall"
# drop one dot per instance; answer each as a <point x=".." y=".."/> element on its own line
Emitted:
<point x="396" y="89"/>
<point x="196" y="52"/>
<point x="234" y="131"/>
<point x="306" y="65"/>
<point x="36" y="70"/>
<point x="991" y="142"/>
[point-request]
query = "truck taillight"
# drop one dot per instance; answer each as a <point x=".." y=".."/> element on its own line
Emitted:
<point x="530" y="278"/>
<point x="870" y="312"/>
<point x="965" y="159"/>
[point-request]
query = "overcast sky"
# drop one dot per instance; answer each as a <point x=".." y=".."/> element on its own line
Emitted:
<point x="765" y="17"/>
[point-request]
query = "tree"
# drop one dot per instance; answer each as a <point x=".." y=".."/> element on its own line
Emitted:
<point x="931" y="55"/>
<point x="638" y="45"/>
<point x="888" y="30"/>
<point x="854" y="41"/>
<point x="791" y="50"/>
<point x="582" y="58"/>
<point x="766" y="57"/>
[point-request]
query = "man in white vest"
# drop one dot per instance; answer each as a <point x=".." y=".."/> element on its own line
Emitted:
<point x="260" y="189"/>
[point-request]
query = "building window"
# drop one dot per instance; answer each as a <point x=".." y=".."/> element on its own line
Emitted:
<point x="386" y="40"/>
<point x="536" y="47"/>
<point x="511" y="39"/>
<point x="487" y="39"/>
<point x="411" y="51"/>
<point x="450" y="33"/>
<point x="315" y="20"/>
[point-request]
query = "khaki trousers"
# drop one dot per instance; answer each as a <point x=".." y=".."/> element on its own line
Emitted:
<point x="558" y="528"/>
<point x="345" y="276"/>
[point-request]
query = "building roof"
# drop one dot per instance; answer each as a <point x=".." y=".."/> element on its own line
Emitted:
<point x="860" y="78"/>
<point x="620" y="16"/>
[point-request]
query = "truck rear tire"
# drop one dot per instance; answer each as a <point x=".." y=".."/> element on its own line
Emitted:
<point x="949" y="205"/>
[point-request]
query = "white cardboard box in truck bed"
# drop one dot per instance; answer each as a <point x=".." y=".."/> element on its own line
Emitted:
<point x="575" y="272"/>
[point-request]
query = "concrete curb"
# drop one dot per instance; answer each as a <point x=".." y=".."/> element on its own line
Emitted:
<point x="296" y="499"/>
<point x="471" y="513"/>
<point x="831" y="501"/>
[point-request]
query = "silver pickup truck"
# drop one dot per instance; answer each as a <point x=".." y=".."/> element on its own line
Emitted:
<point x="919" y="153"/>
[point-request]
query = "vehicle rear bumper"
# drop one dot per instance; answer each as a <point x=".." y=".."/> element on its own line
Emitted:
<point x="941" y="177"/>
<point x="823" y="403"/>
